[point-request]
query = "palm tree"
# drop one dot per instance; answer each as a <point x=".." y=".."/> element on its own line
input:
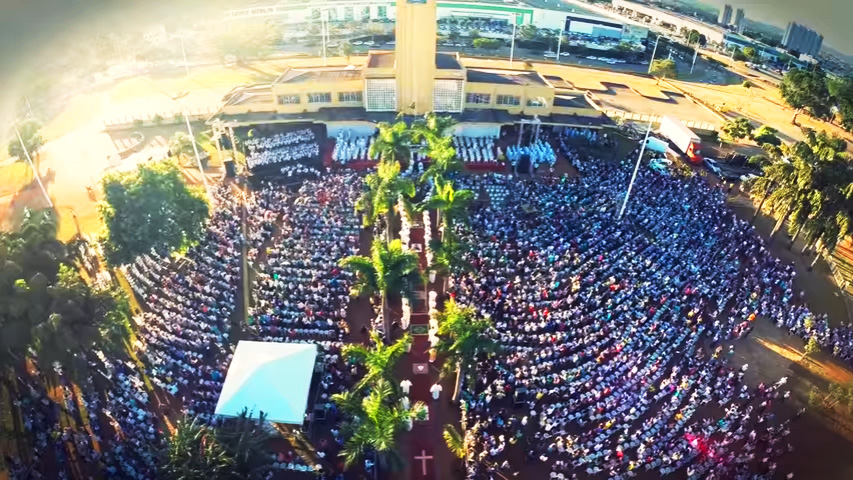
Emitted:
<point x="451" y="204"/>
<point x="455" y="442"/>
<point x="379" y="359"/>
<point x="247" y="442"/>
<point x="389" y="271"/>
<point x="377" y="420"/>
<point x="193" y="452"/>
<point x="444" y="160"/>
<point x="462" y="336"/>
<point x="432" y="127"/>
<point x="384" y="187"/>
<point x="181" y="145"/>
<point x="393" y="142"/>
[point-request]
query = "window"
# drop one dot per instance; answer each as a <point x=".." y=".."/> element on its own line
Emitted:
<point x="349" y="97"/>
<point x="382" y="12"/>
<point x="348" y="15"/>
<point x="288" y="99"/>
<point x="381" y="94"/>
<point x="333" y="15"/>
<point x="320" y="98"/>
<point x="478" y="98"/>
<point x="537" y="102"/>
<point x="508" y="100"/>
<point x="365" y="13"/>
<point x="447" y="96"/>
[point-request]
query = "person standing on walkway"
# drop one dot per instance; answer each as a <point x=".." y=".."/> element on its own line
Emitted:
<point x="405" y="385"/>
<point x="435" y="390"/>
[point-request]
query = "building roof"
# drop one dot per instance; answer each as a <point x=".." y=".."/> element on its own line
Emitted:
<point x="571" y="101"/>
<point x="319" y="75"/>
<point x="506" y="77"/>
<point x="447" y="61"/>
<point x="252" y="94"/>
<point x="381" y="60"/>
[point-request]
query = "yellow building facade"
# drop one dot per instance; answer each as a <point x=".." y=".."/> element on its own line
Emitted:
<point x="413" y="79"/>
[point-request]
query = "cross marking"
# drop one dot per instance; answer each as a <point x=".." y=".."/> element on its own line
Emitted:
<point x="423" y="458"/>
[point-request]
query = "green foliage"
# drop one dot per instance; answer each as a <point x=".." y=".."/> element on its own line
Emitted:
<point x="30" y="134"/>
<point x="750" y="53"/>
<point x="739" y="56"/>
<point x="812" y="347"/>
<point x="737" y="129"/>
<point x="758" y="161"/>
<point x="841" y="90"/>
<point x="529" y="32"/>
<point x="246" y="441"/>
<point x="151" y="208"/>
<point x="491" y="44"/>
<point x="473" y="34"/>
<point x="377" y="421"/>
<point x="663" y="68"/>
<point x="181" y="145"/>
<point x="455" y="441"/>
<point x="193" y="452"/>
<point x="386" y="185"/>
<point x="388" y="271"/>
<point x="452" y="204"/>
<point x="806" y="90"/>
<point x="766" y="134"/>
<point x="248" y="41"/>
<point x="346" y="49"/>
<point x="462" y="334"/>
<point x="379" y="359"/>
<point x="746" y="84"/>
<point x="449" y="254"/>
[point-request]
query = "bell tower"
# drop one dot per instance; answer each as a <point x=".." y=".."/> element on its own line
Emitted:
<point x="415" y="55"/>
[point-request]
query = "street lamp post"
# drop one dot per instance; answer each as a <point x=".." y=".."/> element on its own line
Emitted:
<point x="197" y="156"/>
<point x="35" y="172"/>
<point x="512" y="45"/>
<point x="654" y="51"/>
<point x="560" y="41"/>
<point x="634" y="175"/>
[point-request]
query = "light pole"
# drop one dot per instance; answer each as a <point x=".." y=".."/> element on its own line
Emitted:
<point x="654" y="52"/>
<point x="560" y="41"/>
<point x="184" y="53"/>
<point x="195" y="150"/>
<point x="35" y="172"/>
<point x="324" y="14"/>
<point x="695" y="54"/>
<point x="512" y="45"/>
<point x="634" y="175"/>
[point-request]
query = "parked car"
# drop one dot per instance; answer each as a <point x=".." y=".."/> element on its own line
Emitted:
<point x="712" y="165"/>
<point x="564" y="54"/>
<point x="550" y="55"/>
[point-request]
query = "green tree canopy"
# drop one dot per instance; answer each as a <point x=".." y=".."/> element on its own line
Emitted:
<point x="30" y="131"/>
<point x="379" y="359"/>
<point x="804" y="89"/>
<point x="766" y="134"/>
<point x="663" y="68"/>
<point x="346" y="49"/>
<point x="841" y="90"/>
<point x="193" y="452"/>
<point x="151" y="208"/>
<point x="388" y="271"/>
<point x="529" y="32"/>
<point x="491" y="44"/>
<point x="750" y="53"/>
<point x="737" y="129"/>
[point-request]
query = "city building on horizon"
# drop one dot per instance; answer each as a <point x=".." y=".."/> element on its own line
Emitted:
<point x="740" y="21"/>
<point x="802" y="39"/>
<point x="725" y="15"/>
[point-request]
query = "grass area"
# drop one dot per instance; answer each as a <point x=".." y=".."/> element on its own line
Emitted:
<point x="13" y="177"/>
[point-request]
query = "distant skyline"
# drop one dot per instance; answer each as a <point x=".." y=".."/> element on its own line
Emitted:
<point x="831" y="18"/>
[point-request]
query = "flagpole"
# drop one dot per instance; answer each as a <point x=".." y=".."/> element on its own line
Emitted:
<point x="634" y="175"/>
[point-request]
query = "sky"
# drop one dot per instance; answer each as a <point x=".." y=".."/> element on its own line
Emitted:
<point x="828" y="17"/>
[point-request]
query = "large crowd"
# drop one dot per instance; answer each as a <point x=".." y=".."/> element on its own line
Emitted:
<point x="476" y="149"/>
<point x="282" y="148"/>
<point x="613" y="331"/>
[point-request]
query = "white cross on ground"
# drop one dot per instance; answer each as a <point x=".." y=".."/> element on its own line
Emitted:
<point x="423" y="458"/>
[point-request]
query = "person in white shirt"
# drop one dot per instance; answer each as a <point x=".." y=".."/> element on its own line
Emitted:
<point x="405" y="402"/>
<point x="406" y="385"/>
<point x="435" y="390"/>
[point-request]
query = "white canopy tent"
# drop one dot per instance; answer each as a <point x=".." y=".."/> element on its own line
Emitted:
<point x="273" y="378"/>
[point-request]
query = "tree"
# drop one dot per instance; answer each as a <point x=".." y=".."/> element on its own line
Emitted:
<point x="444" y="160"/>
<point x="455" y="442"/>
<point x="246" y="441"/>
<point x="389" y="271"/>
<point x="151" y="208"/>
<point x="451" y="204"/>
<point x="766" y="134"/>
<point x="346" y="49"/>
<point x="377" y="420"/>
<point x="248" y="41"/>
<point x="736" y="129"/>
<point x="181" y="145"/>
<point x="379" y="359"/>
<point x="805" y="90"/>
<point x="491" y="44"/>
<point x="33" y="141"/>
<point x="449" y="254"/>
<point x="750" y="53"/>
<point x="663" y="68"/>
<point x="841" y="90"/>
<point x="384" y="188"/>
<point x="529" y="32"/>
<point x="473" y="34"/>
<point x="739" y="56"/>
<point x="193" y="452"/>
<point x="462" y="336"/>
<point x="693" y="36"/>
<point x="812" y="347"/>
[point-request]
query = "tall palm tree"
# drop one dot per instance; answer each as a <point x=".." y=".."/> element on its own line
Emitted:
<point x="384" y="187"/>
<point x="246" y="441"/>
<point x="193" y="452"/>
<point x="379" y="359"/>
<point x="451" y="204"/>
<point x="393" y="142"/>
<point x="377" y="420"/>
<point x="462" y="336"/>
<point x="432" y="127"/>
<point x="442" y="153"/>
<point x="389" y="271"/>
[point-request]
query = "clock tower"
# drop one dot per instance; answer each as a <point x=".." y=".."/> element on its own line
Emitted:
<point x="415" y="55"/>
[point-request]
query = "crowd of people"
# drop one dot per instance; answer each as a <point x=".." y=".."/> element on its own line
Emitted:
<point x="476" y="149"/>
<point x="539" y="152"/>
<point x="604" y="325"/>
<point x="350" y="147"/>
<point x="286" y="147"/>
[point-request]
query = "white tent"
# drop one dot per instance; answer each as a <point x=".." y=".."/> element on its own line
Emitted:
<point x="273" y="378"/>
